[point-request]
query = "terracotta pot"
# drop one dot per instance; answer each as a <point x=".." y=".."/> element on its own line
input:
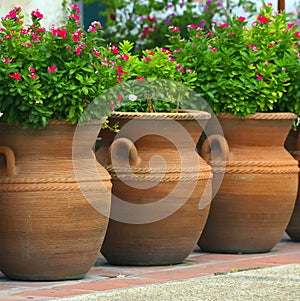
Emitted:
<point x="48" y="230"/>
<point x="253" y="206"/>
<point x="293" y="145"/>
<point x="161" y="187"/>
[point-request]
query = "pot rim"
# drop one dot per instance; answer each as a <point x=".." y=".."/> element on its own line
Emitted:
<point x="261" y="115"/>
<point x="180" y="115"/>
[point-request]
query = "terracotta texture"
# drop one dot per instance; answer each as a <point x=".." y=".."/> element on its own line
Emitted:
<point x="145" y="160"/>
<point x="253" y="206"/>
<point x="293" y="145"/>
<point x="48" y="230"/>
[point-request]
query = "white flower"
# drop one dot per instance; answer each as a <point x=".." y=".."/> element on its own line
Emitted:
<point x="132" y="97"/>
<point x="1" y="114"/>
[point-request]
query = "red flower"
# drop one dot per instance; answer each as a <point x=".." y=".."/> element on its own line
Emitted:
<point x="263" y="19"/>
<point x="119" y="98"/>
<point x="297" y="34"/>
<point x="15" y="75"/>
<point x="112" y="17"/>
<point x="151" y="19"/>
<point x="140" y="78"/>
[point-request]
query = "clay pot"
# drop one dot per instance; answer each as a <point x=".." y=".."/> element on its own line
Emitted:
<point x="293" y="146"/>
<point x="161" y="187"/>
<point x="253" y="206"/>
<point x="48" y="230"/>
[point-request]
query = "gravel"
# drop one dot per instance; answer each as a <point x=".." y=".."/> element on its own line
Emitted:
<point x="280" y="283"/>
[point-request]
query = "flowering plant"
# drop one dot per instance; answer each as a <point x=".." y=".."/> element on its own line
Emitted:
<point x="146" y="22"/>
<point x="244" y="69"/>
<point x="149" y="82"/>
<point x="50" y="74"/>
<point x="57" y="73"/>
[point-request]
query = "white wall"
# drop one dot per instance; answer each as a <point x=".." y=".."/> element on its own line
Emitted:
<point x="52" y="9"/>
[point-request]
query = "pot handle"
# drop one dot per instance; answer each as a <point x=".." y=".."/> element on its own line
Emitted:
<point x="220" y="148"/>
<point x="123" y="153"/>
<point x="10" y="160"/>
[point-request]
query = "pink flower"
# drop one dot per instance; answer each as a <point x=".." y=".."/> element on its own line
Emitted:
<point x="76" y="36"/>
<point x="62" y="33"/>
<point x="140" y="78"/>
<point x="52" y="69"/>
<point x="75" y="7"/>
<point x="192" y="26"/>
<point x="37" y="14"/>
<point x="97" y="24"/>
<point x="15" y="75"/>
<point x="31" y="69"/>
<point x="145" y="58"/>
<point x="6" y="60"/>
<point x="11" y="15"/>
<point x="223" y="25"/>
<point x="213" y="49"/>
<point x="252" y="46"/>
<point x="92" y="29"/>
<point x="74" y="16"/>
<point x="78" y="50"/>
<point x="259" y="77"/>
<point x="96" y="53"/>
<point x="177" y="50"/>
<point x="297" y="34"/>
<point x="32" y="75"/>
<point x="174" y="28"/>
<point x="114" y="49"/>
<point x="241" y="18"/>
<point x="123" y="57"/>
<point x="263" y="19"/>
<point x="166" y="51"/>
<point x="112" y="105"/>
<point x="291" y="25"/>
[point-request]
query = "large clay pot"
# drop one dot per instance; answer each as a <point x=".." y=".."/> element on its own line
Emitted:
<point x="293" y="145"/>
<point x="48" y="230"/>
<point x="253" y="206"/>
<point x="161" y="187"/>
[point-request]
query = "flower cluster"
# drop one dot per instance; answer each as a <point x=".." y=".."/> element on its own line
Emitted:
<point x="242" y="68"/>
